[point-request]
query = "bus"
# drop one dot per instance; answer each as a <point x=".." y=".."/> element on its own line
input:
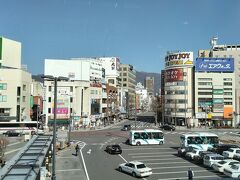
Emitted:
<point x="146" y="137"/>
<point x="201" y="141"/>
<point x="19" y="127"/>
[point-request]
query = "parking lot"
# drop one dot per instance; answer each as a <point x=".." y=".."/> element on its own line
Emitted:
<point x="165" y="162"/>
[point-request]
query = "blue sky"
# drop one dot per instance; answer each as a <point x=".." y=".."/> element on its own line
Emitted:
<point x="140" y="32"/>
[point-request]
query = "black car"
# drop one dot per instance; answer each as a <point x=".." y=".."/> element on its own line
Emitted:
<point x="168" y="127"/>
<point x="199" y="159"/>
<point x="11" y="133"/>
<point x="114" y="149"/>
<point x="126" y="127"/>
<point x="219" y="148"/>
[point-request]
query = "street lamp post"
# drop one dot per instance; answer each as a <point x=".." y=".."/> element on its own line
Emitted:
<point x="55" y="79"/>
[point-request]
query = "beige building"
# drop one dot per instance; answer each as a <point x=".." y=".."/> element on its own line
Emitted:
<point x="128" y="83"/>
<point x="15" y="83"/>
<point x="149" y="84"/>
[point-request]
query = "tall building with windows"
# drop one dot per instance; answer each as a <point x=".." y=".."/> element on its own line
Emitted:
<point x="128" y="82"/>
<point x="149" y="84"/>
<point x="15" y="83"/>
<point x="223" y="73"/>
<point x="178" y="88"/>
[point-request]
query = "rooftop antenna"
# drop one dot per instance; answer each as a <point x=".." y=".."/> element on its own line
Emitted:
<point x="213" y="41"/>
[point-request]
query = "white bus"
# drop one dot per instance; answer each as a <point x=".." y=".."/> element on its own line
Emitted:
<point x="20" y="127"/>
<point x="146" y="136"/>
<point x="201" y="141"/>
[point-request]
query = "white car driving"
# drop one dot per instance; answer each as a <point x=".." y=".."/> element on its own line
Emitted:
<point x="219" y="166"/>
<point x="233" y="171"/>
<point x="135" y="168"/>
<point x="231" y="152"/>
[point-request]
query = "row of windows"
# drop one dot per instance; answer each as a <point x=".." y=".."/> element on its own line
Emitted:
<point x="50" y="99"/>
<point x="50" y="88"/>
<point x="3" y="98"/>
<point x="210" y="83"/>
<point x="211" y="93"/>
<point x="177" y="101"/>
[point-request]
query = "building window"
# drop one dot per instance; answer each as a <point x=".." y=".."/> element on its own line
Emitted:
<point x="111" y="81"/>
<point x="50" y="88"/>
<point x="227" y="89"/>
<point x="24" y="87"/>
<point x="124" y="69"/>
<point x="204" y="93"/>
<point x="49" y="110"/>
<point x="3" y="98"/>
<point x="24" y="98"/>
<point x="124" y="74"/>
<point x="71" y="89"/>
<point x="71" y="99"/>
<point x="204" y="83"/>
<point x="18" y="91"/>
<point x="49" y="99"/>
<point x="124" y="79"/>
<point x="227" y="103"/>
<point x="124" y="85"/>
<point x="3" y="86"/>
<point x="227" y="98"/>
<point x="227" y="83"/>
<point x="227" y="79"/>
<point x="227" y="93"/>
<point x="205" y="79"/>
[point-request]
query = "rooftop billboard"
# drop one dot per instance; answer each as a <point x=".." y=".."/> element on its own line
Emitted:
<point x="179" y="59"/>
<point x="214" y="65"/>
<point x="172" y="75"/>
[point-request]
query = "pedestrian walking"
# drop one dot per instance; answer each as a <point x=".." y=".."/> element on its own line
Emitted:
<point x="77" y="149"/>
<point x="190" y="174"/>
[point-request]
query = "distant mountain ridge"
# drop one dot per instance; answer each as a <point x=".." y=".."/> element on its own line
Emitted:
<point x="141" y="75"/>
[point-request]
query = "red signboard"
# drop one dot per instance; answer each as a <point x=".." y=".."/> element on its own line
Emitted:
<point x="172" y="75"/>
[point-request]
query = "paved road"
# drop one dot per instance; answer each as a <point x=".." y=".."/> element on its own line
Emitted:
<point x="162" y="159"/>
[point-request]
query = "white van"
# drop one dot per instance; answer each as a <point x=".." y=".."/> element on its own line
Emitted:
<point x="210" y="159"/>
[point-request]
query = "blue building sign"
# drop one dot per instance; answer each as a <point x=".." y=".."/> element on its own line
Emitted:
<point x="214" y="65"/>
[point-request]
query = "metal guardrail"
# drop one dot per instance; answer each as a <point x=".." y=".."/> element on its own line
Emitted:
<point x="26" y="164"/>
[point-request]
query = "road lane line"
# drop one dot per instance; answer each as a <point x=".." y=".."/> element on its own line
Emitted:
<point x="122" y="158"/>
<point x="14" y="144"/>
<point x="169" y="159"/>
<point x="84" y="165"/>
<point x="195" y="177"/>
<point x="9" y="152"/>
<point x="66" y="157"/>
<point x="141" y="148"/>
<point x="153" y="156"/>
<point x="184" y="162"/>
<point x="65" y="170"/>
<point x="177" y="167"/>
<point x="167" y="152"/>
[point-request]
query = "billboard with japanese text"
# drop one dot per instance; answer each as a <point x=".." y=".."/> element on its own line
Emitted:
<point x="214" y="65"/>
<point x="172" y="75"/>
<point x="179" y="59"/>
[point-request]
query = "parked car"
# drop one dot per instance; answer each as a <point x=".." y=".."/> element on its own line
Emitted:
<point x="210" y="159"/>
<point x="12" y="133"/>
<point x="232" y="171"/>
<point x="114" y="149"/>
<point x="135" y="168"/>
<point x="236" y="156"/>
<point x="219" y="148"/>
<point x="231" y="152"/>
<point x="199" y="159"/>
<point x="183" y="151"/>
<point x="219" y="166"/>
<point x="168" y="127"/>
<point x="190" y="155"/>
<point x="126" y="127"/>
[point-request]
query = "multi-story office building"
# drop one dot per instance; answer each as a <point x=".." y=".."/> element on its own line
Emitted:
<point x="229" y="80"/>
<point x="178" y="88"/>
<point x="149" y="84"/>
<point x="214" y="91"/>
<point x="128" y="82"/>
<point x="142" y="97"/>
<point x="15" y="83"/>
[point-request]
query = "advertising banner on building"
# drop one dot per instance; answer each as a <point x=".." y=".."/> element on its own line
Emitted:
<point x="218" y="107"/>
<point x="228" y="112"/>
<point x="179" y="59"/>
<point x="172" y="75"/>
<point x="214" y="65"/>
<point x="63" y="104"/>
<point x="217" y="91"/>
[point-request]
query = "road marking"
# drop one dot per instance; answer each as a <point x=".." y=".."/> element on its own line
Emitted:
<point x="174" y="167"/>
<point x="184" y="162"/>
<point x="141" y="148"/>
<point x="153" y="156"/>
<point x="13" y="144"/>
<point x="9" y="152"/>
<point x="89" y="151"/>
<point x="169" y="159"/>
<point x="122" y="158"/>
<point x="178" y="172"/>
<point x="195" y="177"/>
<point x="167" y="152"/>
<point x="66" y="157"/>
<point x="64" y="170"/>
<point x="84" y="165"/>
